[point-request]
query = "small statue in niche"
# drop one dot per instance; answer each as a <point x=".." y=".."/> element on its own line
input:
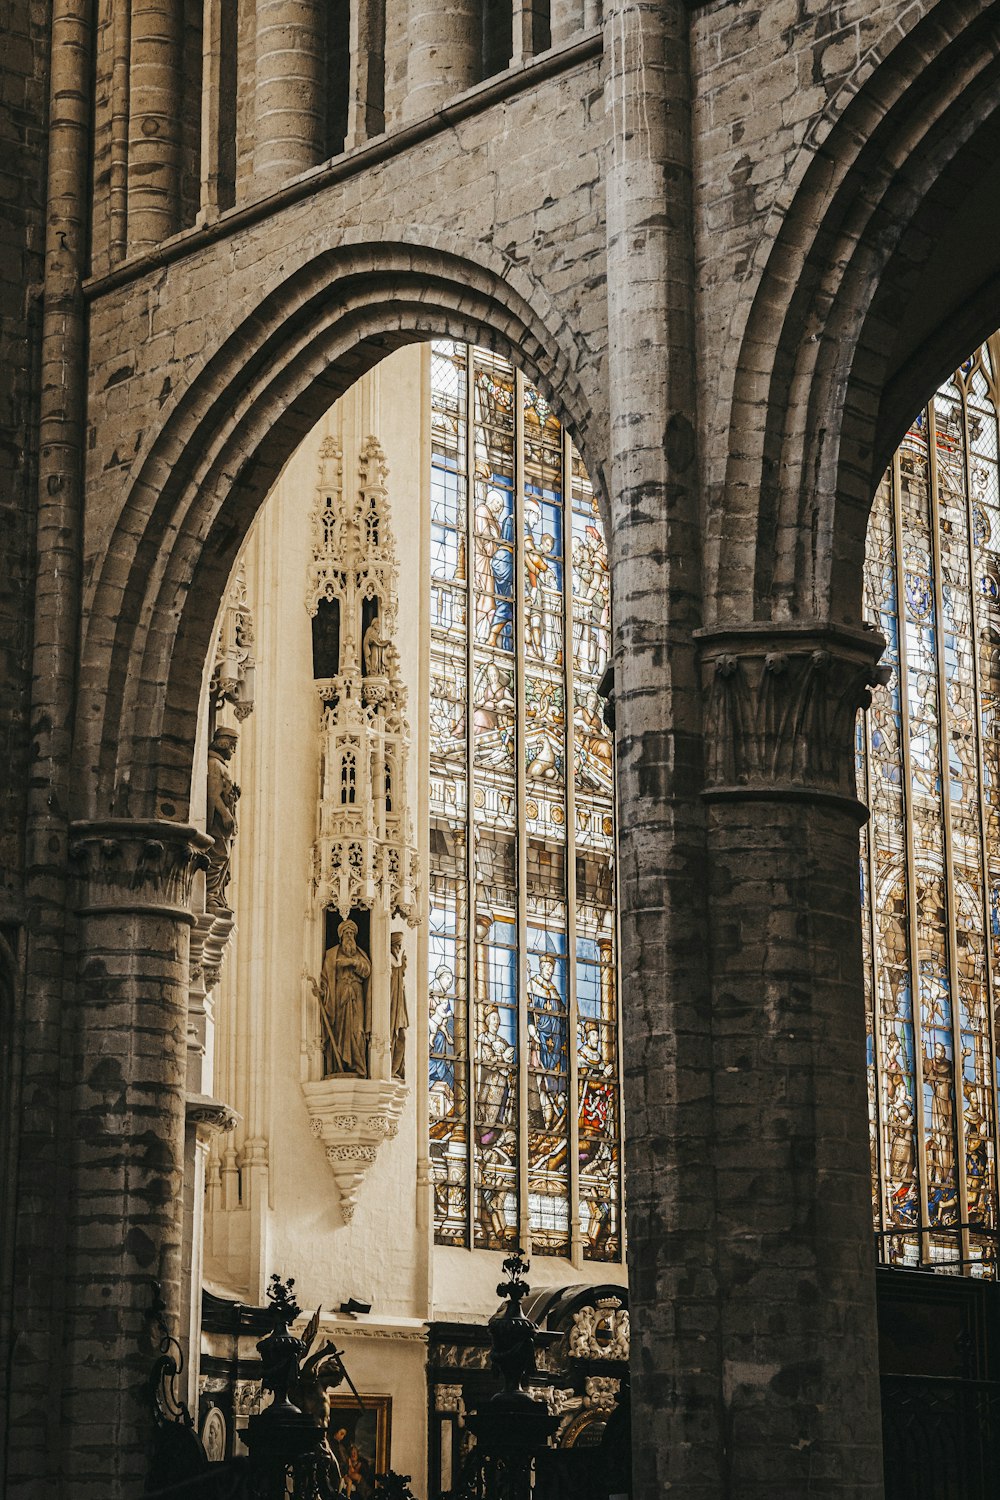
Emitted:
<point x="345" y="1006"/>
<point x="222" y="797"/>
<point x="398" y="1016"/>
<point x="375" y="649"/>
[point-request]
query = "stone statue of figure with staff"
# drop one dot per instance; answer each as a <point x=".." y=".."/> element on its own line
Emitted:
<point x="345" y="1004"/>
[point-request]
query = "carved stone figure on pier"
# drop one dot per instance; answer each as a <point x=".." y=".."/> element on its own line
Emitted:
<point x="345" y="1005"/>
<point x="222" y="797"/>
<point x="374" y="649"/>
<point x="398" y="1015"/>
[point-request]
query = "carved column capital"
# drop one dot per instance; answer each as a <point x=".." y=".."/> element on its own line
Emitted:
<point x="131" y="866"/>
<point x="781" y="703"/>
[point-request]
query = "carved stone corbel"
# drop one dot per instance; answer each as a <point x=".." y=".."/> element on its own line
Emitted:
<point x="214" y="947"/>
<point x="781" y="702"/>
<point x="352" y="1117"/>
<point x="210" y="1116"/>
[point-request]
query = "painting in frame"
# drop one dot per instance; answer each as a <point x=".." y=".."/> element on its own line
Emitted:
<point x="360" y="1441"/>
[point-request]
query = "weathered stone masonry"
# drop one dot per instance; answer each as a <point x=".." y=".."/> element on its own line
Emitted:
<point x="710" y="233"/>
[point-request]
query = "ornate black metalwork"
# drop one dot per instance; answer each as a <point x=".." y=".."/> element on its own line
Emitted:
<point x="512" y="1333"/>
<point x="392" y="1486"/>
<point x="941" y="1437"/>
<point x="290" y="1457"/>
<point x="289" y="1453"/>
<point x="512" y="1428"/>
<point x="176" y="1455"/>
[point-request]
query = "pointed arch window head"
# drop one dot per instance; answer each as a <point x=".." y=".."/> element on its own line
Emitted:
<point x="348" y="779"/>
<point x="525" y="1096"/>
<point x="929" y="769"/>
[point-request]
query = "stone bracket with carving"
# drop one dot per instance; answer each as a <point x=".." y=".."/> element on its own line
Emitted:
<point x="210" y="1117"/>
<point x="352" y="1117"/>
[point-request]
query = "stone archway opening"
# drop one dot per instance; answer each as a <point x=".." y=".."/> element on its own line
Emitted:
<point x="211" y="466"/>
<point x="427" y="588"/>
<point x="151" y="611"/>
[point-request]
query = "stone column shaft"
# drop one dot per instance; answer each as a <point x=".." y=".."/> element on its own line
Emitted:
<point x="290" y="100"/>
<point x="126" y="1141"/>
<point x="676" y="1386"/>
<point x="154" y="126"/>
<point x="795" y="1242"/>
<point x="445" y="53"/>
<point x="35" y="1282"/>
<point x="366" y="94"/>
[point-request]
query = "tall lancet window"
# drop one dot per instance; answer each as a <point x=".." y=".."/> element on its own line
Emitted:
<point x="524" y="1065"/>
<point x="930" y="771"/>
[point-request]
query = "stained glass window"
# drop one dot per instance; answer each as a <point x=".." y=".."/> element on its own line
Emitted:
<point x="929" y="769"/>
<point x="524" y="1068"/>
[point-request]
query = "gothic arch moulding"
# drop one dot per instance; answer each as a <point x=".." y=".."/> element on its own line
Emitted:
<point x="212" y="464"/>
<point x="847" y="286"/>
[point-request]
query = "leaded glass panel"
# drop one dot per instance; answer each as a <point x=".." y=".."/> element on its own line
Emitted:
<point x="928" y="768"/>
<point x="523" y="989"/>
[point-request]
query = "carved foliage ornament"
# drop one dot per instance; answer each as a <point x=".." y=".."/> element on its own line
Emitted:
<point x="600" y="1332"/>
<point x="781" y="709"/>
<point x="131" y="866"/>
<point x="234" y="668"/>
<point x="449" y="1398"/>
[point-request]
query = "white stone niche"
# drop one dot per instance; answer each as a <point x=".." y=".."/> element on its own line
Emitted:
<point x="364" y="857"/>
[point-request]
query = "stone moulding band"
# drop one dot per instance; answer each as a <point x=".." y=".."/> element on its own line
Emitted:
<point x="135" y="867"/>
<point x="815" y="796"/>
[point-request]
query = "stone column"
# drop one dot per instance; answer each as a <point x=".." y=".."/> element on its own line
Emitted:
<point x="154" y="122"/>
<point x="290" y="101"/>
<point x="445" y="43"/>
<point x="206" y="1118"/>
<point x="678" y="1439"/>
<point x="128" y="1070"/>
<point x="794" y="1229"/>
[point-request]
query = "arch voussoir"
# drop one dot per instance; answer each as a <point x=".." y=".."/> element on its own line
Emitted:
<point x="209" y="467"/>
<point x="840" y="273"/>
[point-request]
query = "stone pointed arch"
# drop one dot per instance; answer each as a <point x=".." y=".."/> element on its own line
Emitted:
<point x="212" y="462"/>
<point x="816" y="383"/>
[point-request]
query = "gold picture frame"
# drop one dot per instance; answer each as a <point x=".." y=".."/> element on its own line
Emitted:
<point x="361" y="1440"/>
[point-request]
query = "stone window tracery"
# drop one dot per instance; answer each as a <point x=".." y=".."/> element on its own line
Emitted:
<point x="524" y="1068"/>
<point x="929" y="769"/>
